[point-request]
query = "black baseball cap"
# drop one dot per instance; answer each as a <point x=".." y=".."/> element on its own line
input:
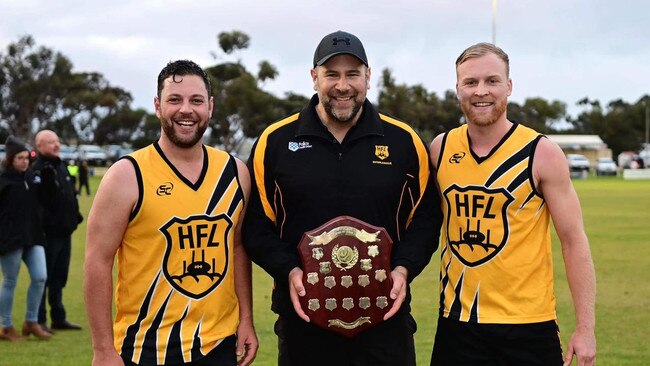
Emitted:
<point x="338" y="43"/>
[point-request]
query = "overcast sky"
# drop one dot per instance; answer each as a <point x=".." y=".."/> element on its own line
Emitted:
<point x="559" y="49"/>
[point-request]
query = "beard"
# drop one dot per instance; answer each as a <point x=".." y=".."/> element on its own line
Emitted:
<point x="336" y="115"/>
<point x="183" y="141"/>
<point x="484" y="119"/>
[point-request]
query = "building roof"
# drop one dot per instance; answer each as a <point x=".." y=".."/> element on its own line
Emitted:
<point x="578" y="142"/>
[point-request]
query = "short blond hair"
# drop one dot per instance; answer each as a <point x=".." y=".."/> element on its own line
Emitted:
<point x="482" y="49"/>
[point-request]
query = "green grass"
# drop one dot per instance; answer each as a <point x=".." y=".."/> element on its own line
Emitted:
<point x="617" y="220"/>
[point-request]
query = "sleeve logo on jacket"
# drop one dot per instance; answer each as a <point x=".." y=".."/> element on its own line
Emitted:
<point x="196" y="257"/>
<point x="477" y="222"/>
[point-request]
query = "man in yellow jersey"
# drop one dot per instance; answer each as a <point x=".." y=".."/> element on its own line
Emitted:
<point x="172" y="213"/>
<point x="340" y="157"/>
<point x="501" y="183"/>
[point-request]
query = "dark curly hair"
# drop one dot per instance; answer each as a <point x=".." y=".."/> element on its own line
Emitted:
<point x="182" y="68"/>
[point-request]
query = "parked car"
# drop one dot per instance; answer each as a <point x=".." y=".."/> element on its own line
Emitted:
<point x="606" y="166"/>
<point x="3" y="152"/>
<point x="578" y="163"/>
<point x="115" y="152"/>
<point x="67" y="153"/>
<point x="93" y="154"/>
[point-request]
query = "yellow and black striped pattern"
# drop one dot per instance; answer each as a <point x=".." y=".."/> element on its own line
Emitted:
<point x="175" y="293"/>
<point x="496" y="257"/>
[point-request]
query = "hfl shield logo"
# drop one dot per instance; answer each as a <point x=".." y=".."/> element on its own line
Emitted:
<point x="196" y="258"/>
<point x="381" y="151"/>
<point x="477" y="222"/>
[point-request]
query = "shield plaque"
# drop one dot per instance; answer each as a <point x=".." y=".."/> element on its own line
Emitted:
<point x="351" y="259"/>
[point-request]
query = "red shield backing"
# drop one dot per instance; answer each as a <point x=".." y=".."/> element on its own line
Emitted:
<point x="346" y="274"/>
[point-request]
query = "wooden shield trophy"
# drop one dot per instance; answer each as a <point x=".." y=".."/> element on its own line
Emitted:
<point x="346" y="274"/>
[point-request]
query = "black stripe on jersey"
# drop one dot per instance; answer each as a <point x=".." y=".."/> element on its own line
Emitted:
<point x="442" y="149"/>
<point x="239" y="195"/>
<point x="530" y="197"/>
<point x="138" y="178"/>
<point x="226" y="178"/>
<point x="519" y="180"/>
<point x="129" y="338"/>
<point x="196" y="345"/>
<point x="204" y="169"/>
<point x="149" y="354"/>
<point x="457" y="307"/>
<point x="509" y="163"/>
<point x="473" y="314"/>
<point x="530" y="164"/>
<point x="174" y="352"/>
<point x="443" y="283"/>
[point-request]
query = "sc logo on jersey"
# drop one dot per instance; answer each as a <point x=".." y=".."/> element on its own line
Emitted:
<point x="165" y="189"/>
<point x="457" y="157"/>
<point x="196" y="257"/>
<point x="480" y="227"/>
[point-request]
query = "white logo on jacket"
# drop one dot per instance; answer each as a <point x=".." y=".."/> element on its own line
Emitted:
<point x="295" y="146"/>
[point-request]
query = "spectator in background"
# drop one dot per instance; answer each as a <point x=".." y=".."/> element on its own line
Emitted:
<point x="73" y="170"/>
<point x="82" y="176"/>
<point x="57" y="197"/>
<point x="21" y="239"/>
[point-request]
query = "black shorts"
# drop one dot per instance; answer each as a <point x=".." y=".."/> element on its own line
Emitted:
<point x="223" y="355"/>
<point x="388" y="343"/>
<point x="465" y="344"/>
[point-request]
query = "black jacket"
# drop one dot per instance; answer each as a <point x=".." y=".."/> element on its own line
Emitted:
<point x="57" y="196"/>
<point x="20" y="214"/>
<point x="303" y="177"/>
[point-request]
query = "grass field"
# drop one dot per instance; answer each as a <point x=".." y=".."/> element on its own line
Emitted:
<point x="617" y="221"/>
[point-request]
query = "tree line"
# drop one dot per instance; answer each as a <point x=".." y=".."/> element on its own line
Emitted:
<point x="39" y="89"/>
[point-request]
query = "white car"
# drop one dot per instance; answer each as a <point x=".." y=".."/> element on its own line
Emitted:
<point x="577" y="162"/>
<point x="67" y="153"/>
<point x="93" y="154"/>
<point x="606" y="166"/>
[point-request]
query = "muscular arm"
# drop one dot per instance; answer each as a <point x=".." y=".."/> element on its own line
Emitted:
<point x="263" y="244"/>
<point x="247" y="342"/>
<point x="434" y="151"/>
<point x="421" y="237"/>
<point x="107" y="222"/>
<point x="552" y="178"/>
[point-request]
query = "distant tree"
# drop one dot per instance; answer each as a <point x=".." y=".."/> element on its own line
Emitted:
<point x="31" y="82"/>
<point x="620" y="125"/>
<point x="424" y="111"/>
<point x="241" y="108"/>
<point x="267" y="71"/>
<point x="538" y="113"/>
<point x="124" y="124"/>
<point x="38" y="90"/>
<point x="590" y="121"/>
<point x="233" y="41"/>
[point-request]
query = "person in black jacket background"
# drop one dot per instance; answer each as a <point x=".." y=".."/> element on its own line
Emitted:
<point x="57" y="197"/>
<point x="21" y="239"/>
<point x="340" y="157"/>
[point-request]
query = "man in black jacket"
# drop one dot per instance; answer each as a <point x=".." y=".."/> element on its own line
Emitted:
<point x="56" y="194"/>
<point x="340" y="157"/>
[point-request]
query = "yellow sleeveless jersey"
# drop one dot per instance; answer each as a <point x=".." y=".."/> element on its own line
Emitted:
<point x="175" y="292"/>
<point x="496" y="257"/>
